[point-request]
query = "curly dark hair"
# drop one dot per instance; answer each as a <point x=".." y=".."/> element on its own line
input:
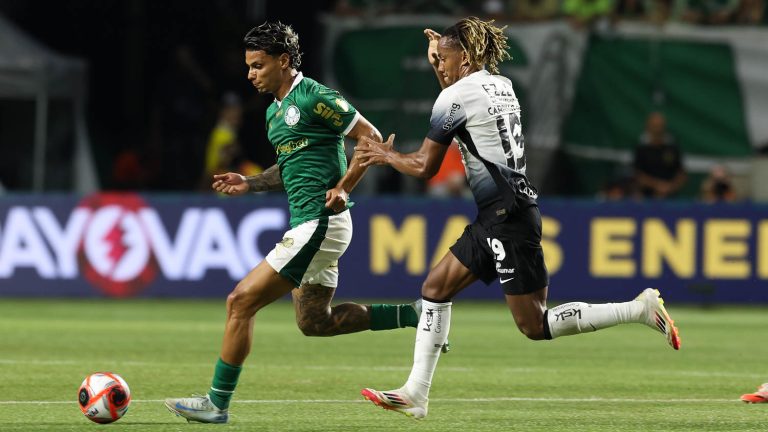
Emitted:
<point x="485" y="43"/>
<point x="275" y="39"/>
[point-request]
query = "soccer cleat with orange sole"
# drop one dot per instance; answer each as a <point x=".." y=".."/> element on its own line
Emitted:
<point x="760" y="396"/>
<point x="657" y="317"/>
<point x="396" y="400"/>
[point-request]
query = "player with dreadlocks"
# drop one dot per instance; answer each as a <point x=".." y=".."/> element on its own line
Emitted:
<point x="479" y="108"/>
<point x="306" y="125"/>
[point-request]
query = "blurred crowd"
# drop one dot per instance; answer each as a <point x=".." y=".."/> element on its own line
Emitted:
<point x="196" y="128"/>
<point x="657" y="171"/>
<point x="581" y="13"/>
<point x="207" y="119"/>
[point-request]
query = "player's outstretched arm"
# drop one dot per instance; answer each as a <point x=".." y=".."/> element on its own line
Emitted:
<point x="336" y="198"/>
<point x="268" y="180"/>
<point x="423" y="163"/>
<point x="433" y="37"/>
<point x="237" y="184"/>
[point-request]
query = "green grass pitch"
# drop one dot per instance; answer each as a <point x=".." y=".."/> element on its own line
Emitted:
<point x="494" y="379"/>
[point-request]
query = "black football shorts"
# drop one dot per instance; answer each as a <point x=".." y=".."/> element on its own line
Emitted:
<point x="506" y="248"/>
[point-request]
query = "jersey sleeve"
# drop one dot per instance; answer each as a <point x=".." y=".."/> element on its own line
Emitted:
<point x="331" y="109"/>
<point x="448" y="115"/>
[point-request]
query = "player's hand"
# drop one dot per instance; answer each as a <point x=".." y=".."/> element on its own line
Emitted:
<point x="336" y="199"/>
<point x="229" y="184"/>
<point x="433" y="38"/>
<point x="371" y="152"/>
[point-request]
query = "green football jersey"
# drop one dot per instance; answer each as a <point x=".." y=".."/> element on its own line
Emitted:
<point x="307" y="130"/>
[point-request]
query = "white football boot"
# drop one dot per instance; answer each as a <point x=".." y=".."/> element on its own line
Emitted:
<point x="396" y="400"/>
<point x="656" y="316"/>
<point x="197" y="409"/>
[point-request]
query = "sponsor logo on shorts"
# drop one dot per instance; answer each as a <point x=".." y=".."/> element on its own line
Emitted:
<point x="504" y="270"/>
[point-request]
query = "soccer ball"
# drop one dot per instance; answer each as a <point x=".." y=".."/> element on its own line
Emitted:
<point x="104" y="397"/>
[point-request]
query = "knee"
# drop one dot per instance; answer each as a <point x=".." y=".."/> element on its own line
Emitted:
<point x="432" y="290"/>
<point x="532" y="329"/>
<point x="241" y="303"/>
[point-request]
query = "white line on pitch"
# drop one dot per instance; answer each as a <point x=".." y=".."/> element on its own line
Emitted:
<point x="693" y="373"/>
<point x="257" y="365"/>
<point x="105" y="364"/>
<point x="479" y="400"/>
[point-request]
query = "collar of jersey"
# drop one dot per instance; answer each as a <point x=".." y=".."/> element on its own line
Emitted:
<point x="480" y="72"/>
<point x="296" y="80"/>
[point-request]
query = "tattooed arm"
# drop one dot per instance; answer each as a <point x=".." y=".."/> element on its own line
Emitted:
<point x="269" y="180"/>
<point x="238" y="184"/>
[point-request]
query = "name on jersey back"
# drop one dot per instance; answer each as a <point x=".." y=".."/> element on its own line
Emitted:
<point x="502" y="98"/>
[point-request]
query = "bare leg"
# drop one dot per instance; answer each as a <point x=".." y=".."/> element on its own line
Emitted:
<point x="316" y="317"/>
<point x="528" y="312"/>
<point x="447" y="279"/>
<point x="260" y="287"/>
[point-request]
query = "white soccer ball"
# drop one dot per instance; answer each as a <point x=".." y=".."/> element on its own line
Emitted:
<point x="104" y="397"/>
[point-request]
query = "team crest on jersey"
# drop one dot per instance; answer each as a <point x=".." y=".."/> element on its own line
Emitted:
<point x="292" y="115"/>
<point x="341" y="103"/>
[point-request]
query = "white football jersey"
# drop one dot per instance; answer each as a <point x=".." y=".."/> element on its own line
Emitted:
<point x="482" y="112"/>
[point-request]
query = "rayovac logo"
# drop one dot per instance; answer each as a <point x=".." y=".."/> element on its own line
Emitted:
<point x="114" y="253"/>
<point x="120" y="244"/>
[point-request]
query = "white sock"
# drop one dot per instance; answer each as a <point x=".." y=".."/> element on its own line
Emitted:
<point x="577" y="317"/>
<point x="431" y="334"/>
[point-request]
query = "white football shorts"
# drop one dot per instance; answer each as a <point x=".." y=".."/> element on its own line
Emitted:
<point x="310" y="252"/>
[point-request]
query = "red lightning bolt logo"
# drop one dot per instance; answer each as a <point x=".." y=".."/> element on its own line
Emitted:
<point x="115" y="239"/>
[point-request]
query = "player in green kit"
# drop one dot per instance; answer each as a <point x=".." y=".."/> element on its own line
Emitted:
<point x="306" y="125"/>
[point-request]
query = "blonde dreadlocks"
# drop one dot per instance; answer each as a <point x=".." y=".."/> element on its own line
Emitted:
<point x="484" y="43"/>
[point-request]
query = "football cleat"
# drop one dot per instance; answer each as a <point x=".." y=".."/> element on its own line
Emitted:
<point x="396" y="400"/>
<point x="198" y="409"/>
<point x="656" y="316"/>
<point x="417" y="307"/>
<point x="760" y="396"/>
